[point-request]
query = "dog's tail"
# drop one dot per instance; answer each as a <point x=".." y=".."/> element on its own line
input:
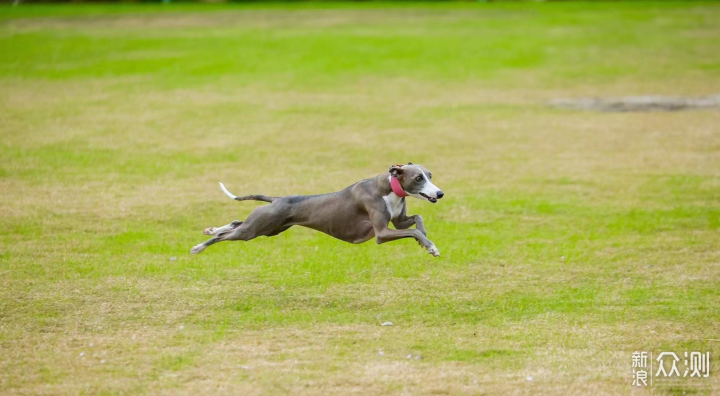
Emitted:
<point x="247" y="197"/>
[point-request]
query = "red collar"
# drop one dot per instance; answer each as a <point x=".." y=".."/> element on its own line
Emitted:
<point x="397" y="188"/>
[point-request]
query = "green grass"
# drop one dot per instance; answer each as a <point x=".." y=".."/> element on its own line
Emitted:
<point x="568" y="239"/>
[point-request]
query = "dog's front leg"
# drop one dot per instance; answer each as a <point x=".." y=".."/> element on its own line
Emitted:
<point x="405" y="223"/>
<point x="384" y="234"/>
<point x="388" y="234"/>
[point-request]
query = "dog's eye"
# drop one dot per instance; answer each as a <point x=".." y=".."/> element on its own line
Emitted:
<point x="418" y="179"/>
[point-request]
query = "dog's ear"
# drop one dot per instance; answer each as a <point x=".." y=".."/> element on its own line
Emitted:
<point x="396" y="170"/>
<point x="410" y="163"/>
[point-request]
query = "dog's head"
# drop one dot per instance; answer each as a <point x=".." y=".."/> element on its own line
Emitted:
<point x="416" y="180"/>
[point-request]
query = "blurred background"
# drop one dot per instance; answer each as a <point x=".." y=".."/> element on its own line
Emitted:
<point x="577" y="143"/>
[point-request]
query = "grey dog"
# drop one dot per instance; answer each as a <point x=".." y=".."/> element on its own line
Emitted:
<point x="356" y="214"/>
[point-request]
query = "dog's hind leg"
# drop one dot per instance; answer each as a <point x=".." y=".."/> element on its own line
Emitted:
<point x="220" y="233"/>
<point x="199" y="248"/>
<point x="267" y="220"/>
<point x="219" y="230"/>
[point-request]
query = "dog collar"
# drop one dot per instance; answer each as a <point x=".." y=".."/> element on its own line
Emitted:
<point x="397" y="188"/>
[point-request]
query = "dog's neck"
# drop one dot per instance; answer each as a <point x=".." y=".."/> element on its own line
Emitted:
<point x="397" y="187"/>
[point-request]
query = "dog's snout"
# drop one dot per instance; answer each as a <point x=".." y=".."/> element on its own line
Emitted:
<point x="440" y="194"/>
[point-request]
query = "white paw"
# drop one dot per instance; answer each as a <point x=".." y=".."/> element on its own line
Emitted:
<point x="434" y="251"/>
<point x="197" y="249"/>
<point x="209" y="231"/>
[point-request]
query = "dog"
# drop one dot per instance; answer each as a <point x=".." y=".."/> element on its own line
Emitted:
<point x="355" y="215"/>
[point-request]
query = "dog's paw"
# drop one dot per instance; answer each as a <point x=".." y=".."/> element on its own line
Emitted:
<point x="197" y="249"/>
<point x="209" y="231"/>
<point x="434" y="251"/>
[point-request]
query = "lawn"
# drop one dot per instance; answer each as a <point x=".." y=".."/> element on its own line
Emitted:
<point x="569" y="239"/>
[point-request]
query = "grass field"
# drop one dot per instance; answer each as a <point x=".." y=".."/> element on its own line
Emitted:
<point x="569" y="239"/>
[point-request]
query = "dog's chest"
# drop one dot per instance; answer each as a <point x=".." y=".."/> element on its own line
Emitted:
<point x="394" y="204"/>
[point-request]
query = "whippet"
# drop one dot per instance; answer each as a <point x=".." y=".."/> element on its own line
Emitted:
<point x="356" y="214"/>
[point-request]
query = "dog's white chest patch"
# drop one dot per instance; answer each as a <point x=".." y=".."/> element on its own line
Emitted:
<point x="394" y="204"/>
